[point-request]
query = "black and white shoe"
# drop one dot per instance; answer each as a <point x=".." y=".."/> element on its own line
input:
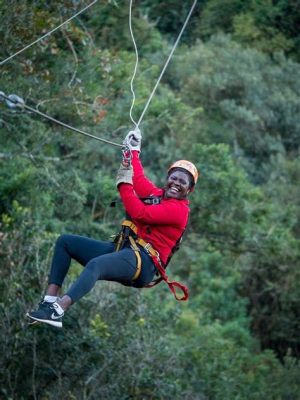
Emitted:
<point x="48" y="313"/>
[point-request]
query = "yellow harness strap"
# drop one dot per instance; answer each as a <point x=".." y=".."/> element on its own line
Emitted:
<point x="120" y="240"/>
<point x="131" y="234"/>
<point x="129" y="231"/>
<point x="130" y="225"/>
<point x="138" y="258"/>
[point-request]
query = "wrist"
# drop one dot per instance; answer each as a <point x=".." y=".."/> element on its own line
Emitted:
<point x="124" y="183"/>
<point x="135" y="153"/>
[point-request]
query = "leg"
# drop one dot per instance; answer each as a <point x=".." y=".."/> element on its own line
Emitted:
<point x="67" y="247"/>
<point x="52" y="290"/>
<point x="118" y="267"/>
<point x="75" y="247"/>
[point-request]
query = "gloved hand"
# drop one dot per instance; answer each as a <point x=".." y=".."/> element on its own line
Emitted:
<point x="124" y="175"/>
<point x="133" y="140"/>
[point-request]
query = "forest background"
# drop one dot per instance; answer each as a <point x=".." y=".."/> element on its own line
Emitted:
<point x="230" y="102"/>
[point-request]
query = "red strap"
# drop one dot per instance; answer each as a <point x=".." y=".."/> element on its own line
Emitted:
<point x="172" y="284"/>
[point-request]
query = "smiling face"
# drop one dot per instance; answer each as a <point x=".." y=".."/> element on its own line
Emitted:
<point x="178" y="185"/>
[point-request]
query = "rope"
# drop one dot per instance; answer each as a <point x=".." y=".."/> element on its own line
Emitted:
<point x="136" y="64"/>
<point x="18" y="102"/>
<point x="48" y="33"/>
<point x="167" y="63"/>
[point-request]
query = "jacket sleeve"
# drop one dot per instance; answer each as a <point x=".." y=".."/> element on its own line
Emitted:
<point x="171" y="212"/>
<point x="141" y="184"/>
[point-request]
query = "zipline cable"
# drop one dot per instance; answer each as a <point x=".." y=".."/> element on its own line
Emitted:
<point x="14" y="101"/>
<point x="136" y="64"/>
<point x="48" y="33"/>
<point x="167" y="62"/>
<point x="18" y="102"/>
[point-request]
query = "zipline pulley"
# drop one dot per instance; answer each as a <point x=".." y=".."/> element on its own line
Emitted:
<point x="15" y="102"/>
<point x="12" y="101"/>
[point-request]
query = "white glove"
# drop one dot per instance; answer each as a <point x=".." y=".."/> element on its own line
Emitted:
<point x="124" y="175"/>
<point x="133" y="140"/>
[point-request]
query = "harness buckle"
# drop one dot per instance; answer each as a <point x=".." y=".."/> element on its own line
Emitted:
<point x="156" y="200"/>
<point x="147" y="247"/>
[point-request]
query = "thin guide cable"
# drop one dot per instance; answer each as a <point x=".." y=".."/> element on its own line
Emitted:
<point x="22" y="105"/>
<point x="48" y="33"/>
<point x="136" y="64"/>
<point x="167" y="63"/>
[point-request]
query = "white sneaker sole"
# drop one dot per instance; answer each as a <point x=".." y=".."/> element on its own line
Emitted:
<point x="33" y="322"/>
<point x="57" y="324"/>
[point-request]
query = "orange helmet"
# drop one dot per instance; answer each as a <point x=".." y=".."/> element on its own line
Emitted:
<point x="188" y="166"/>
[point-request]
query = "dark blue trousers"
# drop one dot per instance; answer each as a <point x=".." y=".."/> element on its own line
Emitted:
<point x="100" y="262"/>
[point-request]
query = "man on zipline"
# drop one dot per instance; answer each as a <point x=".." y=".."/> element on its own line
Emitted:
<point x="158" y="218"/>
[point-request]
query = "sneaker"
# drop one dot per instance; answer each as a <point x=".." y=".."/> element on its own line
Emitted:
<point x="42" y="305"/>
<point x="47" y="313"/>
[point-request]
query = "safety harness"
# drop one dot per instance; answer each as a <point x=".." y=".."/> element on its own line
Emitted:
<point x="129" y="232"/>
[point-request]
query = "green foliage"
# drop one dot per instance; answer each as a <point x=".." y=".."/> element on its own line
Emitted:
<point x="220" y="203"/>
<point x="264" y="25"/>
<point x="248" y="100"/>
<point x="231" y="109"/>
<point x="218" y="15"/>
<point x="268" y="40"/>
<point x="169" y="16"/>
<point x="228" y="371"/>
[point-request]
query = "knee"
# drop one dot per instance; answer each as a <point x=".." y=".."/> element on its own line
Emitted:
<point x="63" y="240"/>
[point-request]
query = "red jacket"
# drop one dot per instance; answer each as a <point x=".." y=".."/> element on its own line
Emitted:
<point x="159" y="224"/>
